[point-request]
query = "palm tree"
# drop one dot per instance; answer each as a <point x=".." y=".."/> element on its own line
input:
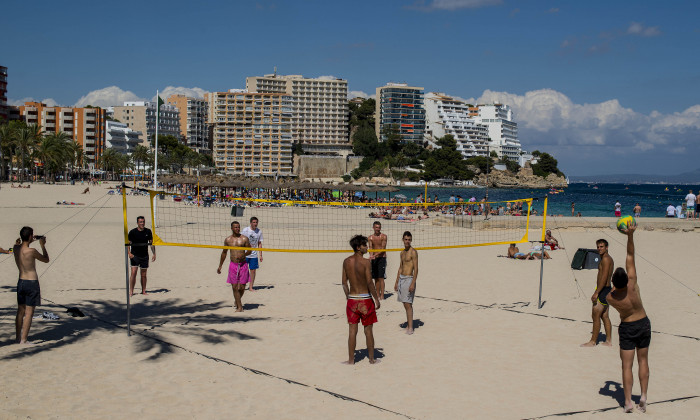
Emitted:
<point x="140" y="156"/>
<point x="75" y="153"/>
<point x="53" y="152"/>
<point x="25" y="141"/>
<point x="7" y="133"/>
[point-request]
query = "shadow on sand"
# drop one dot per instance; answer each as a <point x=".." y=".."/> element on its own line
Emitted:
<point x="363" y="354"/>
<point x="614" y="390"/>
<point x="197" y="319"/>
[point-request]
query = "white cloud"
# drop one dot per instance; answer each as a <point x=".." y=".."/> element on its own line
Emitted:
<point x="639" y="29"/>
<point x="452" y="4"/>
<point x="109" y="96"/>
<point x="357" y="94"/>
<point x="549" y="117"/>
<point x="18" y="102"/>
<point x="327" y="78"/>
<point x="194" y="92"/>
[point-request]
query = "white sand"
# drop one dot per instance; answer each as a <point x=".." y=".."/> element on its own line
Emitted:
<point x="480" y="350"/>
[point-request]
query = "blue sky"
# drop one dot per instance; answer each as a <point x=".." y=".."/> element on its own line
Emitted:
<point x="606" y="87"/>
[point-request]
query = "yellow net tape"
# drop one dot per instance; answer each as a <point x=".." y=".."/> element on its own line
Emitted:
<point x="323" y="226"/>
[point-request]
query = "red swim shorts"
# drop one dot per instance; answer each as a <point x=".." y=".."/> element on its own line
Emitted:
<point x="361" y="309"/>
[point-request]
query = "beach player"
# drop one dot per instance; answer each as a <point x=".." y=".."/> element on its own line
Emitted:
<point x="359" y="292"/>
<point x="637" y="210"/>
<point x="238" y="275"/>
<point x="28" y="290"/>
<point x="635" y="327"/>
<point x="140" y="238"/>
<point x="599" y="298"/>
<point x="377" y="240"/>
<point x="406" y="279"/>
<point x="255" y="237"/>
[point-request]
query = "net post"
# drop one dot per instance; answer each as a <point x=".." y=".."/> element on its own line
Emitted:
<point x="544" y="223"/>
<point x="126" y="263"/>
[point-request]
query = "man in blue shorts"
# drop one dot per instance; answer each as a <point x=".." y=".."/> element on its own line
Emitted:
<point x="255" y="236"/>
<point x="600" y="304"/>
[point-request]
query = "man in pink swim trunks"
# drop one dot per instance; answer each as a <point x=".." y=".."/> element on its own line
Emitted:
<point x="238" y="275"/>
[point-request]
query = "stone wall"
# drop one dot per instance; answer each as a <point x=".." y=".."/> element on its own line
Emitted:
<point x="310" y="166"/>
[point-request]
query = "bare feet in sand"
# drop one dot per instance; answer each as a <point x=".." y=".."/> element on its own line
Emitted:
<point x="589" y="344"/>
<point x="629" y="409"/>
<point x="374" y="362"/>
<point x="642" y="405"/>
<point x="348" y="362"/>
<point x="409" y="332"/>
<point x="239" y="309"/>
<point x="606" y="343"/>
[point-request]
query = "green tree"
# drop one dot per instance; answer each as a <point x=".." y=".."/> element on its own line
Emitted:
<point x="364" y="142"/>
<point x="546" y="164"/>
<point x="484" y="164"/>
<point x="25" y="141"/>
<point x="446" y="161"/>
<point x="140" y="157"/>
<point x="7" y="138"/>
<point x="52" y="150"/>
<point x="362" y="114"/>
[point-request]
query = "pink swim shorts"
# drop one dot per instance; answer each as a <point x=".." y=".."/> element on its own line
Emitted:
<point x="238" y="273"/>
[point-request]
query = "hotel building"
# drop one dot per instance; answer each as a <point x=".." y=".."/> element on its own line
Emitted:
<point x="447" y="115"/>
<point x="503" y="131"/>
<point x="320" y="116"/>
<point x="252" y="132"/>
<point x="84" y="125"/>
<point x="121" y="138"/>
<point x="401" y="106"/>
<point x="193" y="122"/>
<point x="141" y="116"/>
<point x="4" y="110"/>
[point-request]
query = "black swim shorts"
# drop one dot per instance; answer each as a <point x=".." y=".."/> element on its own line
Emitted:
<point x="379" y="268"/>
<point x="28" y="292"/>
<point x="603" y="295"/>
<point x="139" y="261"/>
<point x="635" y="334"/>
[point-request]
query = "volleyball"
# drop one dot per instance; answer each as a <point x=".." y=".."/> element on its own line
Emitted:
<point x="624" y="222"/>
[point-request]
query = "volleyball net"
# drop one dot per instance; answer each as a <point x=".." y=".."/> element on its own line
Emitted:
<point x="323" y="226"/>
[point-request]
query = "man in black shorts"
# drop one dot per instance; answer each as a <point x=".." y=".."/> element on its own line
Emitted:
<point x="377" y="240"/>
<point x="635" y="327"/>
<point x="140" y="239"/>
<point x="600" y="305"/>
<point x="28" y="290"/>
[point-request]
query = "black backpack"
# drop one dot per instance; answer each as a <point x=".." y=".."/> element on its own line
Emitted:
<point x="585" y="259"/>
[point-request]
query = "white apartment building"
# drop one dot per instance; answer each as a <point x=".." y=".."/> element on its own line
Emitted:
<point x="503" y="131"/>
<point x="252" y="132"/>
<point x="121" y="138"/>
<point x="141" y="116"/>
<point x="447" y="115"/>
<point x="320" y="118"/>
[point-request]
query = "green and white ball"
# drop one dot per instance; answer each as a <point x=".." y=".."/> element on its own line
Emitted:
<point x="625" y="222"/>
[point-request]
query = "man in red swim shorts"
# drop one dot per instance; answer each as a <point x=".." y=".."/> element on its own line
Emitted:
<point x="238" y="275"/>
<point x="359" y="292"/>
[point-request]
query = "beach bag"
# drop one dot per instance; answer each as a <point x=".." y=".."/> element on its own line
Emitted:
<point x="585" y="259"/>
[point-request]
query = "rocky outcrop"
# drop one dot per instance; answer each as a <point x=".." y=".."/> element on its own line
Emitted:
<point x="523" y="179"/>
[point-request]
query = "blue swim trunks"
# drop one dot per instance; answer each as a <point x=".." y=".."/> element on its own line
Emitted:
<point x="252" y="263"/>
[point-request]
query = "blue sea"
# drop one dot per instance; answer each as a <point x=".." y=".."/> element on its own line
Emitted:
<point x="592" y="200"/>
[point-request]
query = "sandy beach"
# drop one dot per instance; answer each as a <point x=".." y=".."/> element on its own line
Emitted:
<point x="481" y="349"/>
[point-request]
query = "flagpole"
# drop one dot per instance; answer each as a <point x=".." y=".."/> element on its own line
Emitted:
<point x="155" y="175"/>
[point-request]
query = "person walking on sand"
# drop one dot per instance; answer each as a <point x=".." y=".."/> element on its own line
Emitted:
<point x="600" y="304"/>
<point x="238" y="275"/>
<point x="140" y="238"/>
<point x="406" y="278"/>
<point x="359" y="292"/>
<point x="255" y="236"/>
<point x="637" y="210"/>
<point x="635" y="327"/>
<point x="378" y="240"/>
<point x="573" y="205"/>
<point x="28" y="290"/>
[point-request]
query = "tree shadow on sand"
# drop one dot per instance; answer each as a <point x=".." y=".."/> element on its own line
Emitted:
<point x="197" y="320"/>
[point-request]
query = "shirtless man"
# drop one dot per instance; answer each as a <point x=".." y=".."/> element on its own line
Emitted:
<point x="637" y="210"/>
<point x="238" y="275"/>
<point x="514" y="252"/>
<point x="600" y="295"/>
<point x="359" y="291"/>
<point x="377" y="240"/>
<point x="405" y="285"/>
<point x="635" y="328"/>
<point x="551" y="241"/>
<point x="28" y="291"/>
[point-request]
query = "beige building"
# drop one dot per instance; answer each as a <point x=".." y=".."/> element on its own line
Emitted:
<point x="251" y="132"/>
<point x="320" y="119"/>
<point x="84" y="125"/>
<point x="193" y="122"/>
<point x="141" y="116"/>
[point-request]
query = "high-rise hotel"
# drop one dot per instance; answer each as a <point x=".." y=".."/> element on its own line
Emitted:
<point x="193" y="121"/>
<point x="446" y="115"/>
<point x="84" y="125"/>
<point x="320" y="117"/>
<point x="503" y="131"/>
<point x="4" y="110"/>
<point x="252" y="132"/>
<point x="400" y="106"/>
